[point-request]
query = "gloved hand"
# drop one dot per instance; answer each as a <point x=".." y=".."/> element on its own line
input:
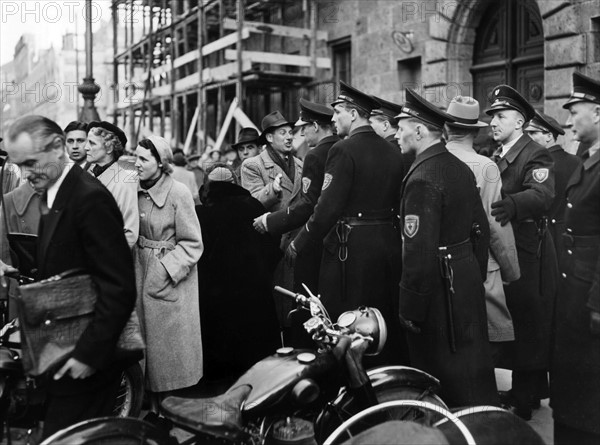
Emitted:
<point x="259" y="223"/>
<point x="504" y="210"/>
<point x="408" y="325"/>
<point x="291" y="254"/>
<point x="595" y="322"/>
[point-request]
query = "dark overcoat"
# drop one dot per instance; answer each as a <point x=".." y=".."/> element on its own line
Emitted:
<point x="84" y="229"/>
<point x="564" y="166"/>
<point x="527" y="172"/>
<point x="440" y="204"/>
<point x="362" y="181"/>
<point x="575" y="372"/>
<point x="308" y="263"/>
<point x="239" y="322"/>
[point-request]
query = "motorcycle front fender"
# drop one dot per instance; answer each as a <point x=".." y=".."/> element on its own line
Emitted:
<point x="384" y="380"/>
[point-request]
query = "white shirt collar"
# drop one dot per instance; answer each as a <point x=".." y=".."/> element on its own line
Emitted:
<point x="508" y="146"/>
<point x="594" y="148"/>
<point x="53" y="189"/>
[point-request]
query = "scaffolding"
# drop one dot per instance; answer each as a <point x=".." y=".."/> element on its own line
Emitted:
<point x="179" y="64"/>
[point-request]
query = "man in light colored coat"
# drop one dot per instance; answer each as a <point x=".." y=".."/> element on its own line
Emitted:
<point x="503" y="264"/>
<point x="274" y="176"/>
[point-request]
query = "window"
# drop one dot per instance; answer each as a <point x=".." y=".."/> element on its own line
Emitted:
<point x="342" y="61"/>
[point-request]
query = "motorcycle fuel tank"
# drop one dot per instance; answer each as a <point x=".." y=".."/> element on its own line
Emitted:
<point x="274" y="377"/>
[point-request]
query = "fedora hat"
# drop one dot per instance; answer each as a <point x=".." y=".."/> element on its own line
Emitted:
<point x="465" y="112"/>
<point x="270" y="122"/>
<point x="246" y="136"/>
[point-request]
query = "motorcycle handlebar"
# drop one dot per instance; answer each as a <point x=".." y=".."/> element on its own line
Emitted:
<point x="298" y="298"/>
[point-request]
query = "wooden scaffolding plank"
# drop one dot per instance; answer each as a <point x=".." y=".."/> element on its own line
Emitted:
<point x="278" y="58"/>
<point x="279" y="30"/>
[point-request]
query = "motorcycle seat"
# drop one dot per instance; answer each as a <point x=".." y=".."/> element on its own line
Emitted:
<point x="219" y="416"/>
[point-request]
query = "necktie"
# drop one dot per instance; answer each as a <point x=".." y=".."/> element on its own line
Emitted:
<point x="44" y="209"/>
<point x="496" y="156"/>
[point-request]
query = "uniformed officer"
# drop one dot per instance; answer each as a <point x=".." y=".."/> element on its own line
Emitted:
<point x="442" y="303"/>
<point x="575" y="372"/>
<point x="315" y="120"/>
<point x="355" y="218"/>
<point x="384" y="122"/>
<point x="527" y="175"/>
<point x="544" y="130"/>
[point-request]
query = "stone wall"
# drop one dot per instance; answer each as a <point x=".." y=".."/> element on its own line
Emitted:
<point x="442" y="33"/>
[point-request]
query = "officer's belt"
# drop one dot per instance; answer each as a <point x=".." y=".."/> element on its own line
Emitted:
<point x="581" y="241"/>
<point x="360" y="221"/>
<point x="371" y="218"/>
<point x="461" y="250"/>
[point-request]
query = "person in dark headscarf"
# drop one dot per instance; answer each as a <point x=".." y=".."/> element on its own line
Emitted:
<point x="238" y="318"/>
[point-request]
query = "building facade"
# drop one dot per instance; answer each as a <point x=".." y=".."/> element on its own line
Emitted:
<point x="179" y="64"/>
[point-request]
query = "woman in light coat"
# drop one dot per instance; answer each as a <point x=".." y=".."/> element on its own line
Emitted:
<point x="169" y="246"/>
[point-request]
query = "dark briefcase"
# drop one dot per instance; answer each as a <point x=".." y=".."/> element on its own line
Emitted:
<point x="53" y="313"/>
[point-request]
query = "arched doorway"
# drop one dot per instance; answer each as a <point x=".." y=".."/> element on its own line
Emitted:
<point x="509" y="49"/>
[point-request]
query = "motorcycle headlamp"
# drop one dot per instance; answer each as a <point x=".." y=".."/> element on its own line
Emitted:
<point x="368" y="322"/>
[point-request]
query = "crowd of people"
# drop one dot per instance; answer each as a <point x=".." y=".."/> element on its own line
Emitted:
<point x="475" y="262"/>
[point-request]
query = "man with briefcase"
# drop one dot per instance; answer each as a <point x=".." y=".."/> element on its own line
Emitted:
<point x="81" y="227"/>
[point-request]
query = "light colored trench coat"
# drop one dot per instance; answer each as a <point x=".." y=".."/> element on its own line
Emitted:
<point x="503" y="263"/>
<point x="166" y="254"/>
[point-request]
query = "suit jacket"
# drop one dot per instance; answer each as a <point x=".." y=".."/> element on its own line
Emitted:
<point x="84" y="229"/>
<point x="302" y="207"/>
<point x="258" y="174"/>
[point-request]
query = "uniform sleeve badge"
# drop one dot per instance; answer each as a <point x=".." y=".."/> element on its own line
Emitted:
<point x="540" y="174"/>
<point x="411" y="225"/>
<point x="305" y="184"/>
<point x="327" y="180"/>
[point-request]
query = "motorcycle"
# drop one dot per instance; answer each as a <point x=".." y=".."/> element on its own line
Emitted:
<point x="21" y="400"/>
<point x="302" y="395"/>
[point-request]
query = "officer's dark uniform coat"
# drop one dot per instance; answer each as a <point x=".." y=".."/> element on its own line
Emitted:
<point x="528" y="178"/>
<point x="575" y="374"/>
<point x="440" y="204"/>
<point x="307" y="265"/>
<point x="362" y="181"/>
<point x="564" y="166"/>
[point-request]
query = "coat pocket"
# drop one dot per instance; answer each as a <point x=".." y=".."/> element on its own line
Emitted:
<point x="158" y="281"/>
<point x="584" y="263"/>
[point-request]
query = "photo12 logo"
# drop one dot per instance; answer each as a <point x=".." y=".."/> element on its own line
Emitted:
<point x="49" y="11"/>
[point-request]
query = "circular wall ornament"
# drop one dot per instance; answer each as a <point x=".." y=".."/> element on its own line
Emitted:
<point x="402" y="41"/>
<point x="535" y="92"/>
